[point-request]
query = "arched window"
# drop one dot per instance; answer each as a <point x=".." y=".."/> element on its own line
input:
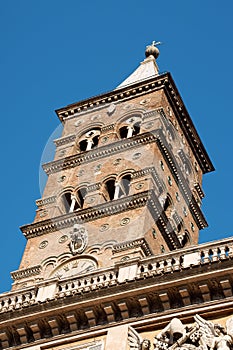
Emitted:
<point x="69" y="202"/>
<point x="110" y="187"/>
<point x="168" y="203"/>
<point x="130" y="127"/>
<point x="73" y="202"/>
<point x="118" y="187"/>
<point x="81" y="194"/>
<point x="185" y="238"/>
<point x="89" y="140"/>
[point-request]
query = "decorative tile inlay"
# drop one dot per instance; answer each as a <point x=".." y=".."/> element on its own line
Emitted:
<point x="43" y="213"/>
<point x="125" y="221"/>
<point x="78" y="122"/>
<point x="104" y="227"/>
<point x="43" y="244"/>
<point x="139" y="186"/>
<point x="105" y="139"/>
<point x="97" y="168"/>
<point x="136" y="156"/>
<point x="96" y="116"/>
<point x="145" y="101"/>
<point x="111" y="109"/>
<point x="90" y="200"/>
<point x="62" y="153"/>
<point x="61" y="178"/>
<point x="148" y="125"/>
<point x="125" y="258"/>
<point x="128" y="106"/>
<point x="63" y="239"/>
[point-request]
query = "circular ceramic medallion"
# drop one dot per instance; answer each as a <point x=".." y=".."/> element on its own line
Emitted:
<point x="124" y="221"/>
<point x="43" y="244"/>
<point x="63" y="239"/>
<point x="78" y="122"/>
<point x="139" y="186"/>
<point x="61" y="178"/>
<point x="90" y="200"/>
<point x="136" y="156"/>
<point x="43" y="213"/>
<point x="105" y="139"/>
<point x="62" y="153"/>
<point x="148" y="125"/>
<point x="104" y="227"/>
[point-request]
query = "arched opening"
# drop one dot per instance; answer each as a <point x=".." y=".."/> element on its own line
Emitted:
<point x="72" y="202"/>
<point x="83" y="145"/>
<point x="124" y="185"/>
<point x="123" y="132"/>
<point x="185" y="238"/>
<point x="118" y="188"/>
<point x="69" y="202"/>
<point x="81" y="194"/>
<point x="168" y="203"/>
<point x="131" y="127"/>
<point x="89" y="140"/>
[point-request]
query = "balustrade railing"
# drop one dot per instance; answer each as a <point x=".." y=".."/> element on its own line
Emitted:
<point x="208" y="253"/>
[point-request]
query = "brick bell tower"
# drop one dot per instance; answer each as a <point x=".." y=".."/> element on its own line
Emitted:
<point x="125" y="183"/>
<point x="112" y="256"/>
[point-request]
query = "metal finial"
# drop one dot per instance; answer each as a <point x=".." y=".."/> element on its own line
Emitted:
<point x="154" y="43"/>
<point x="152" y="50"/>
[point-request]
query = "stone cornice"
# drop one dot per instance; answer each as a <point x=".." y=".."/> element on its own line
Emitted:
<point x="199" y="190"/>
<point x="113" y="96"/>
<point x="64" y="140"/>
<point x="107" y="209"/>
<point x="97" y="153"/>
<point x="163" y="81"/>
<point x="132" y="244"/>
<point x="85" y="215"/>
<point x="152" y="171"/>
<point x="181" y="182"/>
<point x="46" y="201"/>
<point x="24" y="273"/>
<point x="145" y="138"/>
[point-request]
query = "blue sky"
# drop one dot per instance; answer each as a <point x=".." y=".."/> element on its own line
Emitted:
<point x="55" y="52"/>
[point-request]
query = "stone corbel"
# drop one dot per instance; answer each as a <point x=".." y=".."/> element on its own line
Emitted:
<point x="123" y="309"/>
<point x="226" y="287"/>
<point x="165" y="301"/>
<point x="91" y="317"/>
<point x="205" y="292"/>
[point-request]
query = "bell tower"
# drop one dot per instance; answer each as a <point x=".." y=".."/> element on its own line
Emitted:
<point x="112" y="259"/>
<point x="125" y="182"/>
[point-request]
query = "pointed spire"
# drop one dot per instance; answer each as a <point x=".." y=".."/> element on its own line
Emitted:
<point x="147" y="69"/>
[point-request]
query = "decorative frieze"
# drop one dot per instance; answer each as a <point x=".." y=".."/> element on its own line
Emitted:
<point x="133" y="245"/>
<point x="85" y="215"/>
<point x="25" y="273"/>
<point x="64" y="140"/>
<point x="199" y="190"/>
<point x="162" y="81"/>
<point x="46" y="201"/>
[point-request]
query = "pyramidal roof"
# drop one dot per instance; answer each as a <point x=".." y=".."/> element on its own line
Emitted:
<point x="147" y="69"/>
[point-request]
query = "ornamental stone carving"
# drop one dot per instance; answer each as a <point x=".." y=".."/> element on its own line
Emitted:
<point x="203" y="335"/>
<point x="79" y="239"/>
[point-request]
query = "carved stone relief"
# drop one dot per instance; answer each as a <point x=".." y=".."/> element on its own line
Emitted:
<point x="79" y="238"/>
<point x="202" y="335"/>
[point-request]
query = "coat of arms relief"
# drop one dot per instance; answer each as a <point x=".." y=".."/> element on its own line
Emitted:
<point x="203" y="335"/>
